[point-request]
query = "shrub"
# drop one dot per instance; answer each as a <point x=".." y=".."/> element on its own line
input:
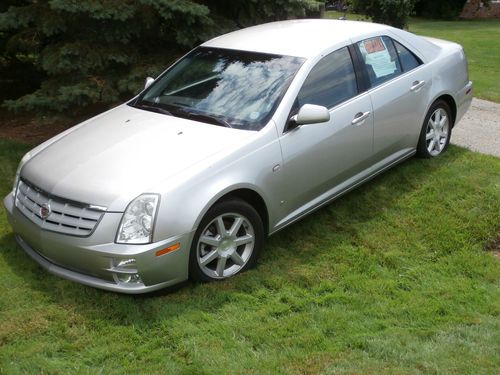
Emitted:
<point x="99" y="52"/>
<point x="389" y="12"/>
<point x="443" y="9"/>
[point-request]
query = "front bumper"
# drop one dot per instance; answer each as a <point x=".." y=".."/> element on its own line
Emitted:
<point x="92" y="260"/>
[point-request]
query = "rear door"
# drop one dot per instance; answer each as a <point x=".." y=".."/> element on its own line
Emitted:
<point x="399" y="88"/>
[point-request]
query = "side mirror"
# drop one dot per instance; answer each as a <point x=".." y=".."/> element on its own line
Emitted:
<point x="148" y="82"/>
<point x="311" y="114"/>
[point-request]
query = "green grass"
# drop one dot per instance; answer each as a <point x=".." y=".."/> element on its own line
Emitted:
<point x="392" y="278"/>
<point x="481" y="42"/>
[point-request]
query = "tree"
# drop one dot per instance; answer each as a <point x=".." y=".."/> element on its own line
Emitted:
<point x="444" y="9"/>
<point x="389" y="12"/>
<point x="18" y="76"/>
<point x="94" y="52"/>
<point x="91" y="51"/>
<point x="244" y="13"/>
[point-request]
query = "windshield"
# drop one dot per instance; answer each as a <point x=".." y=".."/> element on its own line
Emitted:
<point x="238" y="89"/>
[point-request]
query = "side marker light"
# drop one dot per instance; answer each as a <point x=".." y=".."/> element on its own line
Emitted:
<point x="168" y="249"/>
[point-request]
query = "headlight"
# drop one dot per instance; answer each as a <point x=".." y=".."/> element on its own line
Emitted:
<point x="23" y="161"/>
<point x="138" y="220"/>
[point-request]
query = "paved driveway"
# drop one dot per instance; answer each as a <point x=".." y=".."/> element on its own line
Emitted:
<point x="479" y="129"/>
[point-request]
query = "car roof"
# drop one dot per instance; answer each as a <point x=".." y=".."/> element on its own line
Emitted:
<point x="302" y="38"/>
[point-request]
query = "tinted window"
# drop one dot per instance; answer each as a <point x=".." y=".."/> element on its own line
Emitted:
<point x="330" y="82"/>
<point x="380" y="58"/>
<point x="408" y="60"/>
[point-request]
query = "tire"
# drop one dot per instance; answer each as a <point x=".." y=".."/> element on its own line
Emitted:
<point x="217" y="256"/>
<point x="436" y="131"/>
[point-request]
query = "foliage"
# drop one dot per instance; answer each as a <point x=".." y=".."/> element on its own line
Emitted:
<point x="389" y="12"/>
<point x="392" y="278"/>
<point x="18" y="75"/>
<point x="444" y="9"/>
<point x="100" y="51"/>
<point x="244" y="13"/>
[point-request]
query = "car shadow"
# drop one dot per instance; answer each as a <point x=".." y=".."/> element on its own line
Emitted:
<point x="357" y="207"/>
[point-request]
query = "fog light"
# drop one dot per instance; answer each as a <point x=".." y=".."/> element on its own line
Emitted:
<point x="125" y="271"/>
<point x="133" y="278"/>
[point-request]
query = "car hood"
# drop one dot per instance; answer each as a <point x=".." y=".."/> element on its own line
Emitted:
<point x="125" y="152"/>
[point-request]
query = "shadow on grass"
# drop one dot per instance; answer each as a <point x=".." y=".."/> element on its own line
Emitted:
<point x="342" y="219"/>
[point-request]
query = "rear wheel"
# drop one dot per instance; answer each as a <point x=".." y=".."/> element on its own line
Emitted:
<point x="227" y="241"/>
<point x="436" y="131"/>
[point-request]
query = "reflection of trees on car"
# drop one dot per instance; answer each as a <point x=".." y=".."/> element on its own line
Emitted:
<point x="239" y="87"/>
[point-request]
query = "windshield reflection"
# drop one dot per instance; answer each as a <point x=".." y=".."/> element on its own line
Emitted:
<point x="240" y="87"/>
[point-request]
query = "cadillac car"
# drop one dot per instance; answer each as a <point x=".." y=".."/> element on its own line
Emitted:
<point x="239" y="138"/>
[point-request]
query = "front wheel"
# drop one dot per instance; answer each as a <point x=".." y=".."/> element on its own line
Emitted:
<point x="436" y="131"/>
<point x="227" y="241"/>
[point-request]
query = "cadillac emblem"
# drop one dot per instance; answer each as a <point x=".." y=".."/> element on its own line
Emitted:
<point x="45" y="211"/>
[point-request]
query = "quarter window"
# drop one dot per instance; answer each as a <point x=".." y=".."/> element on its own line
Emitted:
<point x="330" y="82"/>
<point x="408" y="60"/>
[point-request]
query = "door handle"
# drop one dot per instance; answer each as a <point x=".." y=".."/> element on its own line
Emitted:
<point x="416" y="85"/>
<point x="360" y="118"/>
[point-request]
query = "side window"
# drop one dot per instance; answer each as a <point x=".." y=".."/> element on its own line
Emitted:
<point x="330" y="82"/>
<point x="380" y="58"/>
<point x="408" y="60"/>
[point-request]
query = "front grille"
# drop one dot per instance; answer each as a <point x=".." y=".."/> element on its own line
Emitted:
<point x="68" y="217"/>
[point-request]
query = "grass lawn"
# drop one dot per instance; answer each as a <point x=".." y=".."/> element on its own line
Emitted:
<point x="400" y="276"/>
<point x="395" y="277"/>
<point x="481" y="42"/>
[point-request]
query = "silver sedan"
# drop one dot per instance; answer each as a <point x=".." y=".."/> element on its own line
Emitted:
<point x="241" y="137"/>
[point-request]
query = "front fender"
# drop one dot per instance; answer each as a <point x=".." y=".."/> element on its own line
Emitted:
<point x="256" y="166"/>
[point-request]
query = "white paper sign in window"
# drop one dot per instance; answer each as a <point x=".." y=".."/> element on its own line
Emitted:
<point x="376" y="54"/>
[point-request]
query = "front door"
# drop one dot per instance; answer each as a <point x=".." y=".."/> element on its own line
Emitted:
<point x="318" y="157"/>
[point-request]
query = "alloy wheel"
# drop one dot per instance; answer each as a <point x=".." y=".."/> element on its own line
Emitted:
<point x="436" y="134"/>
<point x="225" y="245"/>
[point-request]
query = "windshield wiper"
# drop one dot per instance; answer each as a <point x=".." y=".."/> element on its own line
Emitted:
<point x="203" y="117"/>
<point x="183" y="112"/>
<point x="153" y="108"/>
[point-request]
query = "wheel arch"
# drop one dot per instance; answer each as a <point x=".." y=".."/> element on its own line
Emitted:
<point x="247" y="196"/>
<point x="448" y="99"/>
<point x="422" y="148"/>
<point x="245" y="193"/>
<point x="254" y="199"/>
